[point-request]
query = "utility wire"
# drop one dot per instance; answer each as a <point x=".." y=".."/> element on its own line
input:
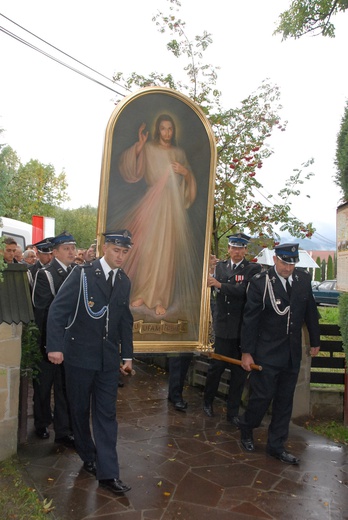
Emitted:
<point x="278" y="202"/>
<point x="21" y="40"/>
<point x="59" y="50"/>
<point x="37" y="49"/>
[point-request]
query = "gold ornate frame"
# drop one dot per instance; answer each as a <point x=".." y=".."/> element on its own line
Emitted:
<point x="156" y="334"/>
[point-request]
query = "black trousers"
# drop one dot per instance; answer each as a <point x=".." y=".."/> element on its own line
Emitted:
<point x="178" y="368"/>
<point x="51" y="376"/>
<point x="94" y="392"/>
<point x="274" y="385"/>
<point x="229" y="348"/>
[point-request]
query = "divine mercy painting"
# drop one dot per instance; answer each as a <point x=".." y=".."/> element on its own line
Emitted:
<point x="158" y="183"/>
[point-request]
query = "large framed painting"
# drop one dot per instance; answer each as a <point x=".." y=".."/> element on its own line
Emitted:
<point x="157" y="181"/>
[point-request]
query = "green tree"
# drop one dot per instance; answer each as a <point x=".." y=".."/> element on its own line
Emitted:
<point x="9" y="166"/>
<point x="30" y="189"/>
<point x="323" y="270"/>
<point x="241" y="136"/>
<point x="330" y="268"/>
<point x="317" y="276"/>
<point x="309" y="16"/>
<point x="341" y="161"/>
<point x="8" y="163"/>
<point x="80" y="222"/>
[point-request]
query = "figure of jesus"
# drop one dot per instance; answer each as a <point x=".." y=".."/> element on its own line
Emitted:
<point x="161" y="265"/>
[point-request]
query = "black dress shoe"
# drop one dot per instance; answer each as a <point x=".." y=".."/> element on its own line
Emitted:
<point x="208" y="409"/>
<point x="180" y="406"/>
<point x="68" y="441"/>
<point x="120" y="384"/>
<point x="248" y="444"/>
<point x="90" y="467"/>
<point x="285" y="456"/>
<point x="234" y="420"/>
<point x="114" y="485"/>
<point x="43" y="433"/>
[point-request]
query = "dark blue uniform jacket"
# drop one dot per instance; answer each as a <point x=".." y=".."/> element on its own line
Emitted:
<point x="90" y="341"/>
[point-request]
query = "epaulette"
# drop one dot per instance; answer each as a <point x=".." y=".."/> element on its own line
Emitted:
<point x="121" y="271"/>
<point x="260" y="275"/>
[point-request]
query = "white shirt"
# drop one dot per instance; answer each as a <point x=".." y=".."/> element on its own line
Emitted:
<point x="107" y="269"/>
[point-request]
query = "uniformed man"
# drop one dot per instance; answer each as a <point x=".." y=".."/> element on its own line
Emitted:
<point x="279" y="302"/>
<point x="88" y="321"/>
<point x="230" y="281"/>
<point x="46" y="285"/>
<point x="44" y="257"/>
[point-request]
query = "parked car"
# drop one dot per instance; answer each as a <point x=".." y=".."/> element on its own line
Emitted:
<point x="326" y="293"/>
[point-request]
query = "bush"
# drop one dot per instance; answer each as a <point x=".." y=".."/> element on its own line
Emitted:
<point x="343" y="321"/>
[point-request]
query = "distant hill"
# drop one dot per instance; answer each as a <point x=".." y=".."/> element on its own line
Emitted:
<point x="312" y="244"/>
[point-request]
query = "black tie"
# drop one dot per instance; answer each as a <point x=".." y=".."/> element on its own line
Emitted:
<point x="109" y="280"/>
<point x="288" y="287"/>
<point x="234" y="266"/>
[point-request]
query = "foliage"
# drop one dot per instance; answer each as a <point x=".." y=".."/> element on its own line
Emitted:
<point x="241" y="137"/>
<point x="333" y="430"/>
<point x="341" y="161"/>
<point x="323" y="270"/>
<point x="343" y="321"/>
<point x="309" y="16"/>
<point x="330" y="269"/>
<point x="328" y="315"/>
<point x="17" y="500"/>
<point x="31" y="355"/>
<point x="80" y="222"/>
<point x="317" y="275"/>
<point x="29" y="189"/>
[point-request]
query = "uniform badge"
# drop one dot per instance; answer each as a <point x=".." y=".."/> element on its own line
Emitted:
<point x="239" y="277"/>
<point x="278" y="302"/>
<point x="98" y="272"/>
<point x="90" y="304"/>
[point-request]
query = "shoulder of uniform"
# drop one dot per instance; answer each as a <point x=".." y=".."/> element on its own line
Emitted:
<point x="122" y="273"/>
<point x="252" y="265"/>
<point x="301" y="272"/>
<point x="260" y="275"/>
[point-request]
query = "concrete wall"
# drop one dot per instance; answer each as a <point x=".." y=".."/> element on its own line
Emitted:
<point x="10" y="359"/>
<point x="301" y="406"/>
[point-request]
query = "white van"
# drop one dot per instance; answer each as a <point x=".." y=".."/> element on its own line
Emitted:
<point x="20" y="231"/>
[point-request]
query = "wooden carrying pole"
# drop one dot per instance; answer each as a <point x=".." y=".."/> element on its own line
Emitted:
<point x="230" y="360"/>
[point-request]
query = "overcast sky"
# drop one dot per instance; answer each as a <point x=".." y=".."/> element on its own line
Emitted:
<point x="54" y="115"/>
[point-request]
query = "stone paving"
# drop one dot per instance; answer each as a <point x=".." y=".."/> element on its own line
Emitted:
<point x="186" y="466"/>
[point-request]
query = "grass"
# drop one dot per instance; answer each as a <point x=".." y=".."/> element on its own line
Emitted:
<point x="333" y="430"/>
<point x="18" y="501"/>
<point x="328" y="315"/>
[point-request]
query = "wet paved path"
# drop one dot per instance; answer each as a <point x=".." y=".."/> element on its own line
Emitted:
<point x="186" y="466"/>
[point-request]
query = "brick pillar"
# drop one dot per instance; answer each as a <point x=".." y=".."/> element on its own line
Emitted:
<point x="10" y="359"/>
